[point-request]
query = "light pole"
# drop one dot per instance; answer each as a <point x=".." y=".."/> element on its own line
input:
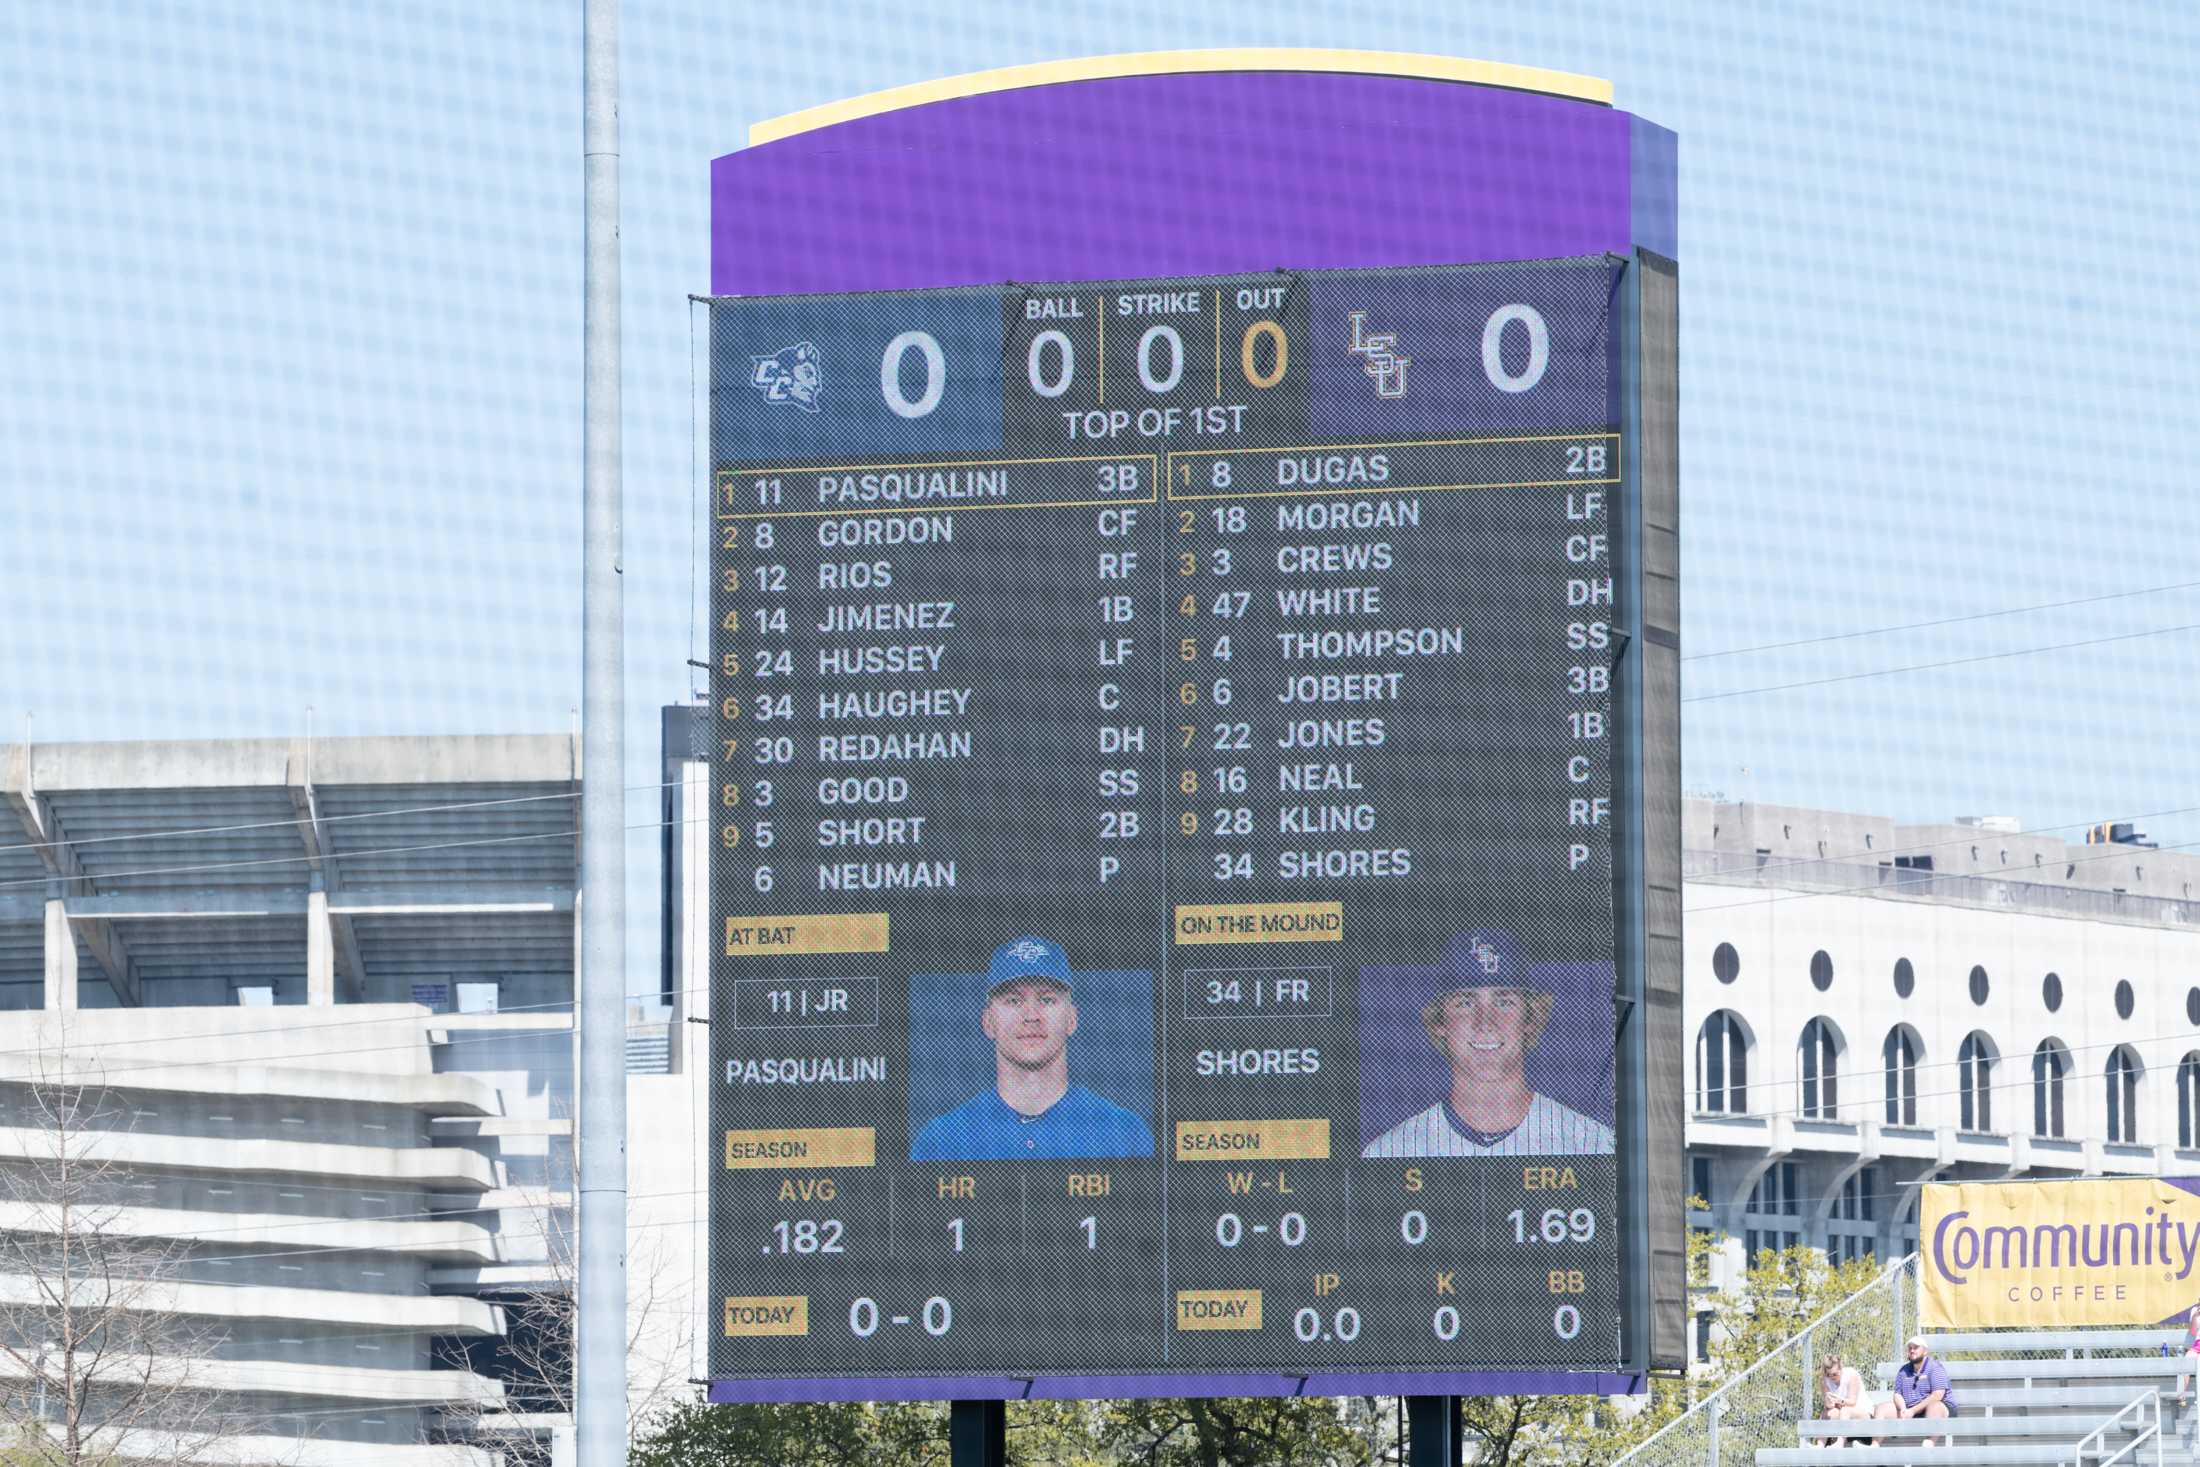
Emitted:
<point x="599" y="1354"/>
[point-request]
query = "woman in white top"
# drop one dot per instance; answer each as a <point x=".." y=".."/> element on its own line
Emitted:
<point x="1843" y="1389"/>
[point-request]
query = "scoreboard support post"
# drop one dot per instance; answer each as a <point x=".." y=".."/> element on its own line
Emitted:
<point x="977" y="1433"/>
<point x="1630" y="920"/>
<point x="1433" y="1431"/>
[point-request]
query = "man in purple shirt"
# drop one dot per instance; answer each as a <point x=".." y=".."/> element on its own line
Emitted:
<point x="1920" y="1388"/>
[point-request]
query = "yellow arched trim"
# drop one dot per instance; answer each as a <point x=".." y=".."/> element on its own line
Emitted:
<point x="1159" y="63"/>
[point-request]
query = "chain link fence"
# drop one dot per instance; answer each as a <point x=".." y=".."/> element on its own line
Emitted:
<point x="1760" y="1406"/>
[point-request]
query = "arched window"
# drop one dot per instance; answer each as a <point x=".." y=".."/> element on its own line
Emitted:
<point x="1900" y="1054"/>
<point x="2050" y="1062"/>
<point x="1722" y="1065"/>
<point x="2188" y="1101"/>
<point x="1818" y="1071"/>
<point x="2122" y="1076"/>
<point x="1975" y="1081"/>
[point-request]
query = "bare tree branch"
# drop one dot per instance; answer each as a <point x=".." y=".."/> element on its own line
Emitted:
<point x="97" y="1366"/>
<point x="541" y="1319"/>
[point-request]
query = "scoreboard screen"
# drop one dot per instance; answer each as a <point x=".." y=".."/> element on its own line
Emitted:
<point x="1166" y="774"/>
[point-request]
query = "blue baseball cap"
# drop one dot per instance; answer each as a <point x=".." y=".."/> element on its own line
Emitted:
<point x="1486" y="957"/>
<point x="1027" y="957"/>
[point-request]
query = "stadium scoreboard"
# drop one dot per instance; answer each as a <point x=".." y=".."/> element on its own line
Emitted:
<point x="1249" y="654"/>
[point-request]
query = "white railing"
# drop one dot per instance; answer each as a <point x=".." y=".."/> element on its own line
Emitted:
<point x="2097" y="1439"/>
<point x="1760" y="1406"/>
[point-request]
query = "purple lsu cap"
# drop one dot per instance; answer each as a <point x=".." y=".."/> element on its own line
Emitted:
<point x="1486" y="957"/>
<point x="1027" y="957"/>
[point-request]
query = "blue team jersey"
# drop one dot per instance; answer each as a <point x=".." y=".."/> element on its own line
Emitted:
<point x="984" y="1128"/>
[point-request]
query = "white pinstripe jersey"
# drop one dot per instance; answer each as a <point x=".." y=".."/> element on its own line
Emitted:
<point x="1548" y="1129"/>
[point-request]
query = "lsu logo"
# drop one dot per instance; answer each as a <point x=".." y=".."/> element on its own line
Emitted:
<point x="1484" y="953"/>
<point x="793" y="374"/>
<point x="1380" y="357"/>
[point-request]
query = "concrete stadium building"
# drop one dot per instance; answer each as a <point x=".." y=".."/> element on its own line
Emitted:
<point x="325" y="991"/>
<point x="1874" y="1006"/>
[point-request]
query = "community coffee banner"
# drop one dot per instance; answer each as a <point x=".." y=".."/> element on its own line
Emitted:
<point x="2048" y="1254"/>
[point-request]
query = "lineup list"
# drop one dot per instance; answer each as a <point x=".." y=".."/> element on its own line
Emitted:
<point x="1298" y="640"/>
<point x="1246" y="700"/>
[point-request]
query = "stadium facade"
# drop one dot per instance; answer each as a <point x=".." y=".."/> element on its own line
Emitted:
<point x="327" y="989"/>
<point x="1874" y="1006"/>
<point x="322" y="994"/>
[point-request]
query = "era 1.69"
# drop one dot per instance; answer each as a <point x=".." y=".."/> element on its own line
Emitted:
<point x="1557" y="1225"/>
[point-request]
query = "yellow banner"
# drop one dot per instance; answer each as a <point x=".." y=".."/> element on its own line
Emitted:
<point x="773" y="937"/>
<point x="1260" y="922"/>
<point x="1302" y="1140"/>
<point x="774" y="1314"/>
<point x="2051" y="1255"/>
<point x="1218" y="1309"/>
<point x="816" y="1146"/>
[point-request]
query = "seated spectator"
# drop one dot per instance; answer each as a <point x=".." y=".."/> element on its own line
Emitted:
<point x="1842" y="1386"/>
<point x="1920" y="1389"/>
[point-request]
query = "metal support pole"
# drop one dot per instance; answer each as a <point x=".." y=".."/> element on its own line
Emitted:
<point x="1900" y="1335"/>
<point x="599" y="1352"/>
<point x="1433" y="1431"/>
<point x="1810" y="1402"/>
<point x="977" y="1433"/>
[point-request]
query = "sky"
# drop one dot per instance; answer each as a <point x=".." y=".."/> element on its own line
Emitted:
<point x="290" y="394"/>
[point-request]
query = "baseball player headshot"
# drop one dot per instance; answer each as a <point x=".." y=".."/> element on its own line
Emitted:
<point x="1483" y="1014"/>
<point x="1032" y="1109"/>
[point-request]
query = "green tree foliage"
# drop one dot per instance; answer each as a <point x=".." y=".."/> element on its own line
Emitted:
<point x="1219" y="1433"/>
<point x="694" y="1433"/>
<point x="1785" y="1290"/>
<point x="1289" y="1432"/>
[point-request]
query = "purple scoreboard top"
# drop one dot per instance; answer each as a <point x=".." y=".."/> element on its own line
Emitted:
<point x="1189" y="173"/>
<point x="1117" y="168"/>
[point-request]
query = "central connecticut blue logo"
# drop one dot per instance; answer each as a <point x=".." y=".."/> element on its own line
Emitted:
<point x="793" y="374"/>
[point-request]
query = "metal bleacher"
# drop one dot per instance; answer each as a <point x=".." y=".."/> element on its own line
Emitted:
<point x="2086" y="1398"/>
